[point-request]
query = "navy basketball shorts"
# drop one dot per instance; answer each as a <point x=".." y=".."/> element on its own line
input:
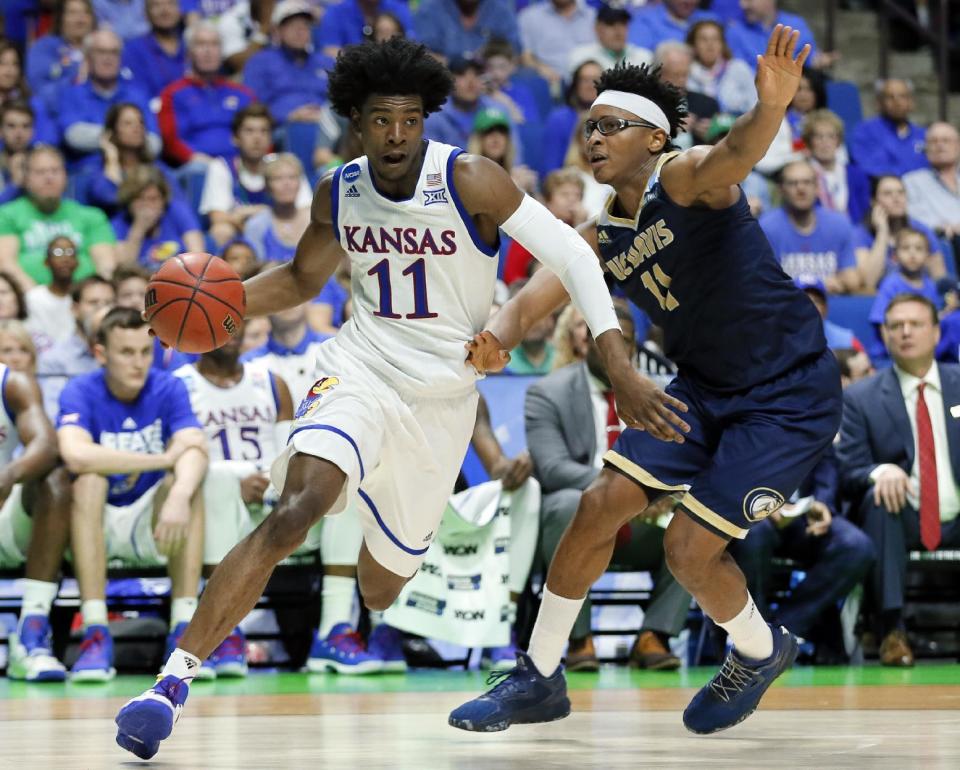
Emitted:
<point x="746" y="453"/>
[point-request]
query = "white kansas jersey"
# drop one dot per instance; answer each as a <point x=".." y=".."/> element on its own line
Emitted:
<point x="422" y="278"/>
<point x="9" y="438"/>
<point x="239" y="421"/>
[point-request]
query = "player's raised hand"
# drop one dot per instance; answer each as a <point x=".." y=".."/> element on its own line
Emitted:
<point x="778" y="69"/>
<point x="486" y="354"/>
<point x="642" y="405"/>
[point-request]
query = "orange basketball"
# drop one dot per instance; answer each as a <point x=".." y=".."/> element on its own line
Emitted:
<point x="195" y="303"/>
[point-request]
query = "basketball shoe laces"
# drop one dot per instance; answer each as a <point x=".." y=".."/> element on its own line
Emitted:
<point x="732" y="679"/>
<point x="351" y="640"/>
<point x="94" y="639"/>
<point x="506" y="683"/>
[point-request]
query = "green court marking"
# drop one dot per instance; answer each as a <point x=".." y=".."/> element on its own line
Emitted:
<point x="610" y="678"/>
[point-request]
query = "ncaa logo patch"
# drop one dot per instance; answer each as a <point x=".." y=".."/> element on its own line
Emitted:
<point x="351" y="173"/>
<point x="311" y="403"/>
<point x="760" y="503"/>
<point x="435" y="196"/>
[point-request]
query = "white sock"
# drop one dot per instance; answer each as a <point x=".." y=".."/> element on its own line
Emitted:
<point x="376" y="618"/>
<point x="749" y="632"/>
<point x="93" y="612"/>
<point x="552" y="629"/>
<point x="182" y="665"/>
<point x="181" y="610"/>
<point x="38" y="596"/>
<point x="336" y="602"/>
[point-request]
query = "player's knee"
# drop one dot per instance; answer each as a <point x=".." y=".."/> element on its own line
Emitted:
<point x="58" y="487"/>
<point x="683" y="558"/>
<point x="595" y="518"/>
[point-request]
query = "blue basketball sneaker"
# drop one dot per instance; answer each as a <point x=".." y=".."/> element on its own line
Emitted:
<point x="207" y="672"/>
<point x="386" y="645"/>
<point x="735" y="692"/>
<point x="230" y="658"/>
<point x="149" y="718"/>
<point x="522" y="696"/>
<point x="31" y="655"/>
<point x="95" y="663"/>
<point x="342" y="651"/>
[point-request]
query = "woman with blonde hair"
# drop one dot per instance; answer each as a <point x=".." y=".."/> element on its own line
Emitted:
<point x="16" y="347"/>
<point x="492" y="139"/>
<point x="274" y="233"/>
<point x="570" y="338"/>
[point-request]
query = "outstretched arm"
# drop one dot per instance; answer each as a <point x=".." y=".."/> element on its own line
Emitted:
<point x="301" y="279"/>
<point x="708" y="175"/>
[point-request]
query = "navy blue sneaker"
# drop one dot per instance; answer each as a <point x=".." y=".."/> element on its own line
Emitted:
<point x="735" y="692"/>
<point x="149" y="718"/>
<point x="522" y="696"/>
<point x="386" y="644"/>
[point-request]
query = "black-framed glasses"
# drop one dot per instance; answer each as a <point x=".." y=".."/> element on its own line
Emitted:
<point x="609" y="124"/>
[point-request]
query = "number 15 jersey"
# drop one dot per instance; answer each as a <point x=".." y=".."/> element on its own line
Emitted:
<point x="422" y="278"/>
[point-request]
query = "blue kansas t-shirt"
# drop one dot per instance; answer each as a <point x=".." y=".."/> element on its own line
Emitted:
<point x="821" y="254"/>
<point x="144" y="425"/>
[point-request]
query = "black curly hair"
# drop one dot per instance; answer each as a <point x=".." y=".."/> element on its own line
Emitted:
<point x="397" y="67"/>
<point x="645" y="81"/>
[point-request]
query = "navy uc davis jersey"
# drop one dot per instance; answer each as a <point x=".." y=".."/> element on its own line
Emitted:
<point x="731" y="317"/>
<point x="422" y="279"/>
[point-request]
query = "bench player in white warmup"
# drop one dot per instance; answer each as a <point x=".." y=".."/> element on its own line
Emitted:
<point x="392" y="411"/>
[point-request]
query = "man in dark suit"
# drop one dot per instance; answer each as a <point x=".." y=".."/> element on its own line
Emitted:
<point x="833" y="552"/>
<point x="570" y="423"/>
<point x="899" y="453"/>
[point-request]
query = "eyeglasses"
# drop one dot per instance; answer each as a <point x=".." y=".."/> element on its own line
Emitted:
<point x="59" y="251"/>
<point x="608" y="125"/>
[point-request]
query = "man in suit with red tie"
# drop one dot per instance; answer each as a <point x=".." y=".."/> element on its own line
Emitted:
<point x="900" y="457"/>
<point x="571" y="421"/>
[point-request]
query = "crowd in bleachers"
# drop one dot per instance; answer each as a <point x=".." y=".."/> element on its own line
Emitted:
<point x="134" y="131"/>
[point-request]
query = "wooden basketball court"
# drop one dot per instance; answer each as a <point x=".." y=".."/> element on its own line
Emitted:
<point x="823" y="718"/>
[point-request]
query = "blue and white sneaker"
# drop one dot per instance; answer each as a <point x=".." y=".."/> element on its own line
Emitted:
<point x="95" y="663"/>
<point x="31" y="656"/>
<point x="149" y="718"/>
<point x="500" y="658"/>
<point x="386" y="645"/>
<point x="230" y="658"/>
<point x="735" y="692"/>
<point x="522" y="696"/>
<point x="207" y="672"/>
<point x="343" y="652"/>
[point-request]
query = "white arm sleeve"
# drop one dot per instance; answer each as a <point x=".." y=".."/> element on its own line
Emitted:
<point x="560" y="248"/>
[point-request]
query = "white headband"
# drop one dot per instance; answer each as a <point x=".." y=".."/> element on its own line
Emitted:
<point x="641" y="106"/>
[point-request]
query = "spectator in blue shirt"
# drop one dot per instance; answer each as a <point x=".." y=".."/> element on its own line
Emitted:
<point x="128" y="18"/>
<point x="16" y="136"/>
<point x="197" y="111"/>
<point x="290" y="78"/>
<point x="83" y="107"/>
<point x="124" y="149"/>
<point x="130" y="436"/>
<point x="810" y="241"/>
<point x="55" y="59"/>
<point x="462" y="27"/>
<point x="352" y="21"/>
<point x="670" y="20"/>
<point x="890" y="143"/>
<point x="748" y="37"/>
<point x="874" y="239"/>
<point x="500" y="66"/>
<point x="550" y="30"/>
<point x="454" y="123"/>
<point x="838" y="337"/>
<point x="561" y="133"/>
<point x="842" y="186"/>
<point x="160" y="57"/>
<point x="154" y="225"/>
<point x="14" y="88"/>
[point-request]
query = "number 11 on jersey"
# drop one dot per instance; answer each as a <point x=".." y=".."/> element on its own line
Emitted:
<point x="418" y="272"/>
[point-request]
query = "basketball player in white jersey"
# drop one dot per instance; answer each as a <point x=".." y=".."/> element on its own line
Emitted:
<point x="389" y="419"/>
<point x="245" y="411"/>
<point x="34" y="522"/>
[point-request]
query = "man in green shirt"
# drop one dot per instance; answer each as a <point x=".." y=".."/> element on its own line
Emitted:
<point x="30" y="222"/>
<point x="535" y="353"/>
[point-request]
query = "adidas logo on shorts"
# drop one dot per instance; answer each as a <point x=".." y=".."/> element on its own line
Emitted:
<point x="352" y="192"/>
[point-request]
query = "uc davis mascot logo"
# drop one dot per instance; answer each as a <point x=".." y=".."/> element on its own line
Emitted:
<point x="312" y="402"/>
<point x="760" y="503"/>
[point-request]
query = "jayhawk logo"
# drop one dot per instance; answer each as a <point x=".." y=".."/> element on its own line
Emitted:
<point x="311" y="403"/>
<point x="760" y="503"/>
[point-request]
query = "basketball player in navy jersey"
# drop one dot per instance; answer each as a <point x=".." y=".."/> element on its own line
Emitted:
<point x="762" y="389"/>
<point x="388" y="420"/>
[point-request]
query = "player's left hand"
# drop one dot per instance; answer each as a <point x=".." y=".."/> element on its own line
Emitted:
<point x="173" y="523"/>
<point x="818" y="519"/>
<point x="486" y="354"/>
<point x="778" y="71"/>
<point x="642" y="405"/>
